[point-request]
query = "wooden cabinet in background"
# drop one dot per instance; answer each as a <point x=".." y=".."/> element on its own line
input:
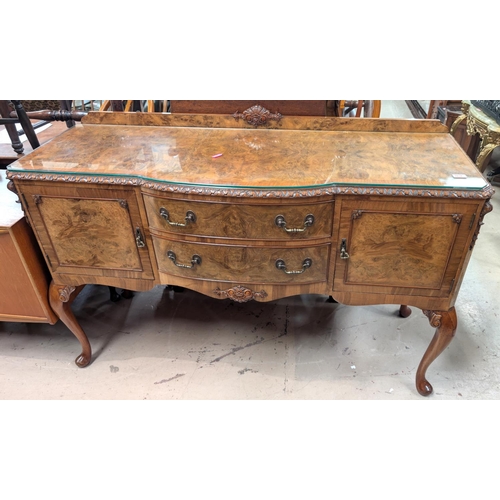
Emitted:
<point x="24" y="278"/>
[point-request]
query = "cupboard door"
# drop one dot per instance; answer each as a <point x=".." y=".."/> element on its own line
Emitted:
<point x="414" y="248"/>
<point x="83" y="231"/>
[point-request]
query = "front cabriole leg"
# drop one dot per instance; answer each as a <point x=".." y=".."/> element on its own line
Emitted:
<point x="446" y="325"/>
<point x="60" y="298"/>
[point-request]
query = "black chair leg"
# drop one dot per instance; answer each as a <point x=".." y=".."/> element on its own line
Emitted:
<point x="17" y="145"/>
<point x="26" y="124"/>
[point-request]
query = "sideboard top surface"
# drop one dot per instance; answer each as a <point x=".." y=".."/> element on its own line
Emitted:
<point x="257" y="158"/>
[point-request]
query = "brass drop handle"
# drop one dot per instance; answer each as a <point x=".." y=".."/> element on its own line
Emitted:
<point x="190" y="217"/>
<point x="280" y="264"/>
<point x="343" y="250"/>
<point x="195" y="259"/>
<point x="281" y="222"/>
<point x="139" y="240"/>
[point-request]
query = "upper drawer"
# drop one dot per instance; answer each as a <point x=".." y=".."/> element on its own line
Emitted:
<point x="225" y="220"/>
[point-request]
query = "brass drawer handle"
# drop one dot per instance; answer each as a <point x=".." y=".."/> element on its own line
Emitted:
<point x="343" y="250"/>
<point x="281" y="222"/>
<point x="280" y="264"/>
<point x="190" y="217"/>
<point x="195" y="259"/>
<point x="139" y="240"/>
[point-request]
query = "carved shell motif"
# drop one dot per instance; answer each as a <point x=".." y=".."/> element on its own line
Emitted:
<point x="257" y="115"/>
<point x="240" y="294"/>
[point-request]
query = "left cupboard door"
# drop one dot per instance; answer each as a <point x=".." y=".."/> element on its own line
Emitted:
<point x="92" y="231"/>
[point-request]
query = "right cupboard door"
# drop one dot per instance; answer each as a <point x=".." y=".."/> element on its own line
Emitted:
<point x="402" y="247"/>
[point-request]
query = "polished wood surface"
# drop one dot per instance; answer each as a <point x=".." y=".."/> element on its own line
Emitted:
<point x="239" y="220"/>
<point x="286" y="123"/>
<point x="193" y="201"/>
<point x="249" y="263"/>
<point x="268" y="158"/>
<point x="89" y="231"/>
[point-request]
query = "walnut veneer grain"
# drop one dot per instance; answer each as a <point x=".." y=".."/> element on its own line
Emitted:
<point x="193" y="201"/>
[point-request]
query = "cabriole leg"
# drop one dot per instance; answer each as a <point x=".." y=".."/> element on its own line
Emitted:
<point x="446" y="325"/>
<point x="60" y="298"/>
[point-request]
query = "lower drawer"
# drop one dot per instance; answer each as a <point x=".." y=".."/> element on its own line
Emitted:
<point x="242" y="263"/>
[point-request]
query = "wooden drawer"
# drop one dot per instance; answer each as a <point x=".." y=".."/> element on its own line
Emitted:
<point x="227" y="220"/>
<point x="241" y="263"/>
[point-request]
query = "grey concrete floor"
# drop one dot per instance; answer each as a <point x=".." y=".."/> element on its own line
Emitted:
<point x="168" y="345"/>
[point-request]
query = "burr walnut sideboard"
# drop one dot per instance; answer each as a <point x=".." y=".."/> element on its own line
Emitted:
<point x="256" y="206"/>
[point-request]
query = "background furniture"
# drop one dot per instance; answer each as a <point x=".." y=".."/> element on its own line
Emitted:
<point x="24" y="282"/>
<point x="360" y="108"/>
<point x="448" y="114"/>
<point x="427" y="109"/>
<point x="10" y="121"/>
<point x="242" y="211"/>
<point x="282" y="107"/>
<point x="483" y="124"/>
<point x="13" y="112"/>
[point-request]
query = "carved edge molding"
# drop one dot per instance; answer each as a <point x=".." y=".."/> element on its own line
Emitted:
<point x="487" y="208"/>
<point x="485" y="193"/>
<point x="240" y="294"/>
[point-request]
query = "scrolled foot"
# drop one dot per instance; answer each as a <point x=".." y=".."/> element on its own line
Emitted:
<point x="82" y="361"/>
<point x="445" y="323"/>
<point x="60" y="298"/>
<point x="424" y="387"/>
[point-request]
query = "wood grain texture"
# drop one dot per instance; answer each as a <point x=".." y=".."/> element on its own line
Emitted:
<point x="286" y="123"/>
<point x="408" y="248"/>
<point x="17" y="295"/>
<point x="400" y="249"/>
<point x="232" y="220"/>
<point x="250" y="159"/>
<point x="408" y="223"/>
<point x="90" y="232"/>
<point x="244" y="264"/>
